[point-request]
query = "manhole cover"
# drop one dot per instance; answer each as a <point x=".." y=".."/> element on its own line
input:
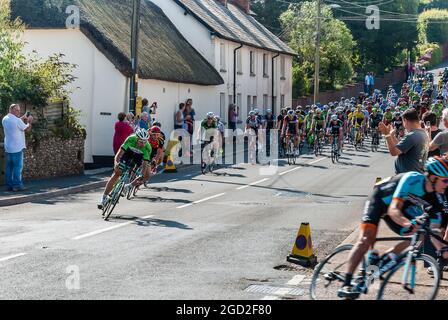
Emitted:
<point x="263" y="289"/>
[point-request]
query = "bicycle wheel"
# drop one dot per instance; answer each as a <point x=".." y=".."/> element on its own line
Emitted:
<point x="333" y="155"/>
<point x="426" y="286"/>
<point x="329" y="275"/>
<point x="115" y="198"/>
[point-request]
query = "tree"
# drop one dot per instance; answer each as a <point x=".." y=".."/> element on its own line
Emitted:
<point x="336" y="49"/>
<point x="382" y="49"/>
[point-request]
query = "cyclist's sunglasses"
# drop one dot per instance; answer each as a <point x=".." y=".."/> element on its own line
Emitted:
<point x="443" y="179"/>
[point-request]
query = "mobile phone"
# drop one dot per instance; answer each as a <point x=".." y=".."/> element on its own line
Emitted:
<point x="428" y="124"/>
<point x="27" y="114"/>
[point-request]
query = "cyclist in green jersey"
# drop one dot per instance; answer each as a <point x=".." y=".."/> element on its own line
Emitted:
<point x="388" y="116"/>
<point x="136" y="150"/>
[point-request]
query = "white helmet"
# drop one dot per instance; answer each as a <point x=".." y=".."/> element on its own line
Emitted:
<point x="142" y="134"/>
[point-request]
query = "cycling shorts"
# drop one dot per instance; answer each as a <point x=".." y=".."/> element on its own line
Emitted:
<point x="129" y="160"/>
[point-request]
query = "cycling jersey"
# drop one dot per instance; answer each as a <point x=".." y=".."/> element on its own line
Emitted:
<point x="156" y="144"/>
<point x="358" y="117"/>
<point x="253" y="123"/>
<point x="133" y="154"/>
<point x="319" y="121"/>
<point x="397" y="123"/>
<point x="269" y="122"/>
<point x="291" y="124"/>
<point x="375" y="120"/>
<point x="388" y="116"/>
<point x="335" y="127"/>
<point x="400" y="187"/>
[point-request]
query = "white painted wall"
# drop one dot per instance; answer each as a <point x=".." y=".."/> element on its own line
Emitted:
<point x="101" y="86"/>
<point x="199" y="36"/>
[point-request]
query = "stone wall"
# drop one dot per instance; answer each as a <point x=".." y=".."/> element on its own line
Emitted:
<point x="54" y="157"/>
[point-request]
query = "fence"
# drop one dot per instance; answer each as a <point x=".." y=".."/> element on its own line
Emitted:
<point x="398" y="75"/>
<point x="52" y="112"/>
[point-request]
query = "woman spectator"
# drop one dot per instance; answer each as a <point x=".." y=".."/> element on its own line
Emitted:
<point x="145" y="121"/>
<point x="145" y="106"/>
<point x="179" y="117"/>
<point x="122" y="131"/>
<point x="189" y="111"/>
<point x="233" y="116"/>
<point x="130" y="119"/>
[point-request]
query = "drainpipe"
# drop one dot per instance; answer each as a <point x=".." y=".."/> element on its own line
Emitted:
<point x="234" y="72"/>
<point x="273" y="79"/>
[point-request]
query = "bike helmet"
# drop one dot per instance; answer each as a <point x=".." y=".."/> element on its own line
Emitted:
<point x="157" y="124"/>
<point x="155" y="129"/>
<point x="374" y="110"/>
<point x="210" y="115"/>
<point x="268" y="111"/>
<point x="437" y="166"/>
<point x="334" y="117"/>
<point x="252" y="113"/>
<point x="256" y="111"/>
<point x="290" y="113"/>
<point x="142" y="134"/>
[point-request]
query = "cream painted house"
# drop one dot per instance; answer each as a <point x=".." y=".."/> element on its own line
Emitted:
<point x="179" y="58"/>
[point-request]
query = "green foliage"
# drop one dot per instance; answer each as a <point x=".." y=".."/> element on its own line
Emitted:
<point x="432" y="49"/>
<point x="433" y="26"/>
<point x="31" y="81"/>
<point x="68" y="127"/>
<point x="336" y="49"/>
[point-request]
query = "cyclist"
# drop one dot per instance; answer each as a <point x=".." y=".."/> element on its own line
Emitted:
<point x="253" y="124"/>
<point x="279" y="127"/>
<point x="209" y="133"/>
<point x="136" y="150"/>
<point x="335" y="129"/>
<point x="389" y="201"/>
<point x="291" y="128"/>
<point x="318" y="124"/>
<point x="388" y="116"/>
<point x="358" y="120"/>
<point x="375" y="119"/>
<point x="397" y="124"/>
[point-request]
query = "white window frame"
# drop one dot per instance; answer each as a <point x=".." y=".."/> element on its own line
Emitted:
<point x="249" y="104"/>
<point x="265" y="65"/>
<point x="282" y="101"/>
<point x="282" y="68"/>
<point x="239" y="62"/>
<point x="265" y="103"/>
<point x="255" y="101"/>
<point x="252" y="58"/>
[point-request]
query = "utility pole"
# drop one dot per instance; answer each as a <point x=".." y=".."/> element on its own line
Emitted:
<point x="317" y="55"/>
<point x="134" y="55"/>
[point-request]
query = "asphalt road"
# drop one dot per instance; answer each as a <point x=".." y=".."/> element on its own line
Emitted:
<point x="189" y="236"/>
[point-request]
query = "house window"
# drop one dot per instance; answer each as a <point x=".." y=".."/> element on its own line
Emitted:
<point x="252" y="63"/>
<point x="222" y="105"/>
<point x="265" y="65"/>
<point x="222" y="55"/>
<point x="282" y="100"/>
<point x="265" y="103"/>
<point x="249" y="104"/>
<point x="282" y="68"/>
<point x="254" y="102"/>
<point x="239" y="62"/>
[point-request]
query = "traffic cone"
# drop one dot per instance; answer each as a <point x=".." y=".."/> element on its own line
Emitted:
<point x="170" y="167"/>
<point x="302" y="252"/>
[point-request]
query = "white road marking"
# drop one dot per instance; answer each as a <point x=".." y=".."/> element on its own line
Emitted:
<point x="172" y="180"/>
<point x="296" y="280"/>
<point x="252" y="184"/>
<point x="270" y="298"/>
<point x="200" y="201"/>
<point x="318" y="160"/>
<point x="282" y="291"/>
<point x="283" y="173"/>
<point x="97" y="232"/>
<point x="12" y="256"/>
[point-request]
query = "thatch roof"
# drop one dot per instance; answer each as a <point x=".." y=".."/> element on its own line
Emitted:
<point x="164" y="54"/>
<point x="231" y="23"/>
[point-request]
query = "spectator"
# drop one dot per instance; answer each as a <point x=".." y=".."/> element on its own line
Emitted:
<point x="154" y="108"/>
<point x="122" y="131"/>
<point x="412" y="150"/>
<point x="367" y="83"/>
<point x="145" y="121"/>
<point x="130" y="119"/>
<point x="440" y="141"/>
<point x="14" y="128"/>
<point x="180" y="117"/>
<point x="371" y="83"/>
<point x="189" y="124"/>
<point x="189" y="109"/>
<point x="145" y="106"/>
<point x="233" y="116"/>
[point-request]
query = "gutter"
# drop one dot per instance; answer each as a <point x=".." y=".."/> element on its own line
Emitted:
<point x="273" y="79"/>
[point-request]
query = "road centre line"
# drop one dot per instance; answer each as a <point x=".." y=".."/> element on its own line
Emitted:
<point x="200" y="201"/>
<point x="97" y="232"/>
<point x="252" y="184"/>
<point x="296" y="280"/>
<point x="13" y="256"/>
<point x="291" y="170"/>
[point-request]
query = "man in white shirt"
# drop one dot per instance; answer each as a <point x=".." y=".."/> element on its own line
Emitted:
<point x="14" y="128"/>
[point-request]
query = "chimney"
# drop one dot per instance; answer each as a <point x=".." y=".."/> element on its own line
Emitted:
<point x="223" y="2"/>
<point x="242" y="4"/>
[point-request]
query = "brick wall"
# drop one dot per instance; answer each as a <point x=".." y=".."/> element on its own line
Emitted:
<point x="398" y="75"/>
<point x="54" y="157"/>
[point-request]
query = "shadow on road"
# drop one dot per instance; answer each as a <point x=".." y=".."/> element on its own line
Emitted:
<point x="154" y="222"/>
<point x="166" y="189"/>
<point x="159" y="199"/>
